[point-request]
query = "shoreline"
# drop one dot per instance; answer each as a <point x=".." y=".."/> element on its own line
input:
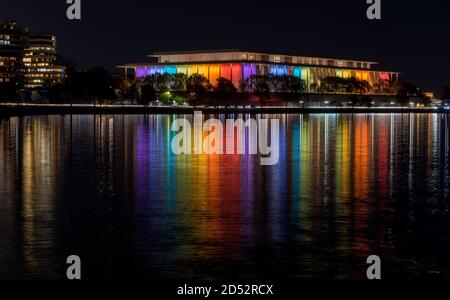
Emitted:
<point x="32" y="109"/>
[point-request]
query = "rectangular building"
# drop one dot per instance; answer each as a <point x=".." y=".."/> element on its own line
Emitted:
<point x="236" y="65"/>
<point x="13" y="40"/>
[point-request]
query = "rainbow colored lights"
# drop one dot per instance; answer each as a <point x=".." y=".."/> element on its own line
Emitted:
<point x="236" y="72"/>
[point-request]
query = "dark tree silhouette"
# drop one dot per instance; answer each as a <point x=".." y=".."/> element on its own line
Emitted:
<point x="225" y="90"/>
<point x="262" y="90"/>
<point x="147" y="94"/>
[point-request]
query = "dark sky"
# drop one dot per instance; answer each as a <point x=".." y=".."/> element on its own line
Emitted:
<point x="413" y="37"/>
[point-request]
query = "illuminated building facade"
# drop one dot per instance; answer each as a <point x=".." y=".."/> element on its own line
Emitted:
<point x="236" y="65"/>
<point x="27" y="59"/>
<point x="13" y="39"/>
<point x="39" y="60"/>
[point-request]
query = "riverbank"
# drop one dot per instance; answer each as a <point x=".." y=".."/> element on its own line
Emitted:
<point x="43" y="109"/>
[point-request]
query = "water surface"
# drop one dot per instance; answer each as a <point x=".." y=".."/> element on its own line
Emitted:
<point x="108" y="188"/>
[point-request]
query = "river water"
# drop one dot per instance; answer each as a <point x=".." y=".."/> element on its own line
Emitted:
<point x="109" y="189"/>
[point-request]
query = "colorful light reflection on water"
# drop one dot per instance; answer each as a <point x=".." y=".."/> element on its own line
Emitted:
<point x="109" y="189"/>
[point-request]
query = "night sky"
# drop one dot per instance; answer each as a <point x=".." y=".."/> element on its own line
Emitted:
<point x="413" y="37"/>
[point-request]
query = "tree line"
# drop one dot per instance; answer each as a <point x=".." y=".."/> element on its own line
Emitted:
<point x="97" y="85"/>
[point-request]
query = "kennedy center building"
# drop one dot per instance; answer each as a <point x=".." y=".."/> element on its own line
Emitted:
<point x="236" y="65"/>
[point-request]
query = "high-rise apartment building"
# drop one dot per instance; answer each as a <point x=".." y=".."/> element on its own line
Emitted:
<point x="28" y="59"/>
<point x="39" y="60"/>
<point x="13" y="40"/>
